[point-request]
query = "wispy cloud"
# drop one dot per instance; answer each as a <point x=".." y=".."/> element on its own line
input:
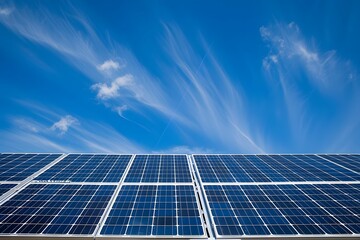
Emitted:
<point x="37" y="134"/>
<point x="26" y="124"/>
<point x="64" y="124"/>
<point x="291" y="52"/>
<point x="77" y="42"/>
<point x="5" y="11"/>
<point x="296" y="64"/>
<point x="105" y="91"/>
<point x="109" y="65"/>
<point x="121" y="109"/>
<point x="201" y="98"/>
<point x="207" y="95"/>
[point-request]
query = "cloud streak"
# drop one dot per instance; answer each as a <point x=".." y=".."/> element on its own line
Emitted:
<point x="207" y="95"/>
<point x="37" y="134"/>
<point x="77" y="42"/>
<point x="303" y="71"/>
<point x="290" y="51"/>
<point x="64" y="124"/>
<point x="5" y="11"/>
<point x="194" y="93"/>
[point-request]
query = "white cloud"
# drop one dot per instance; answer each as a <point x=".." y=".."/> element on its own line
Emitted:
<point x="108" y="65"/>
<point x="5" y="11"/>
<point x="64" y="124"/>
<point x="105" y="91"/>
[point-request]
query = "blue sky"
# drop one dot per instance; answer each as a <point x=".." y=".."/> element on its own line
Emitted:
<point x="180" y="76"/>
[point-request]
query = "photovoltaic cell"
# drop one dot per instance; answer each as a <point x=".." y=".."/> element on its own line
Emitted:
<point x="270" y="168"/>
<point x="349" y="161"/>
<point x="17" y="167"/>
<point x="87" y="168"/>
<point x="55" y="209"/>
<point x="240" y="210"/>
<point x="159" y="168"/>
<point x="151" y="210"/>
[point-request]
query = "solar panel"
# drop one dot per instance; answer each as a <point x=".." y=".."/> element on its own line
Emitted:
<point x="17" y="167"/>
<point x="151" y="210"/>
<point x="55" y="209"/>
<point x="5" y="187"/>
<point x="241" y="210"/>
<point x="159" y="168"/>
<point x="349" y="161"/>
<point x="148" y="196"/>
<point x="270" y="168"/>
<point x="87" y="168"/>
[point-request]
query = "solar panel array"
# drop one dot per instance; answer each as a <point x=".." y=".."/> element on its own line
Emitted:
<point x="179" y="196"/>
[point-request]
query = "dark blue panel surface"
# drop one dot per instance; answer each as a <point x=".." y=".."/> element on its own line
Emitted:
<point x="87" y="168"/>
<point x="5" y="187"/>
<point x="159" y="168"/>
<point x="17" y="167"/>
<point x="270" y="168"/>
<point x="285" y="209"/>
<point x="55" y="209"/>
<point x="154" y="210"/>
<point x="349" y="161"/>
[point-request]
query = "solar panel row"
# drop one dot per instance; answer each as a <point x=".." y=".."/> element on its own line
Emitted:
<point x="155" y="195"/>
<point x="270" y="168"/>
